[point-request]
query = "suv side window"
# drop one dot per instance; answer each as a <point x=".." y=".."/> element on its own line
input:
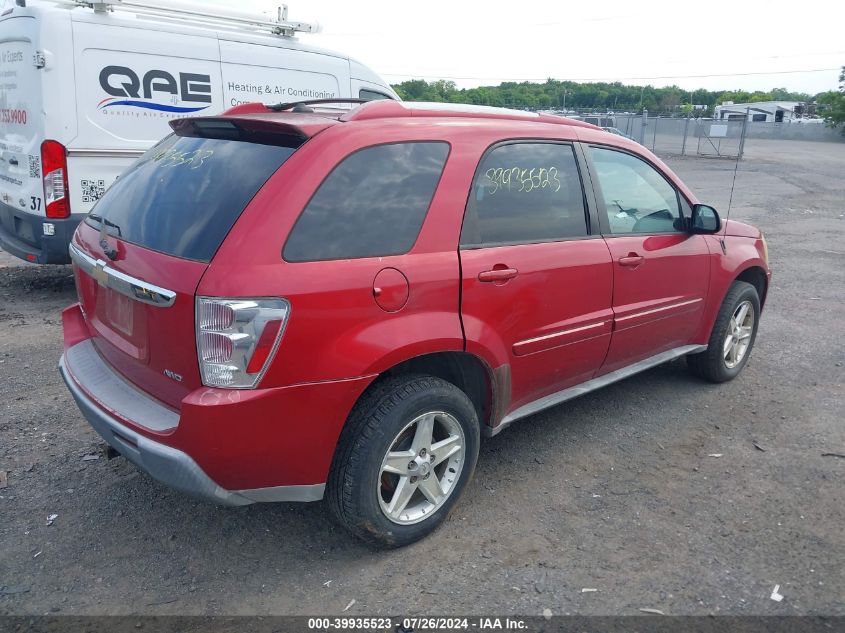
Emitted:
<point x="525" y="192"/>
<point x="637" y="198"/>
<point x="371" y="205"/>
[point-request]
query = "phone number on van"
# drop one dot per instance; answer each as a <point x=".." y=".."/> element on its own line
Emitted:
<point x="13" y="116"/>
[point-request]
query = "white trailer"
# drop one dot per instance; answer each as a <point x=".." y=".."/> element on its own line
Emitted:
<point x="760" y="112"/>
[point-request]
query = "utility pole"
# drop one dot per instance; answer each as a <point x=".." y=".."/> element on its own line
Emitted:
<point x="564" y="100"/>
<point x="643" y="126"/>
<point x="742" y="138"/>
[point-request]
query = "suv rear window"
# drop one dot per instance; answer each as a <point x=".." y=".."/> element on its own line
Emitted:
<point x="183" y="195"/>
<point x="373" y="204"/>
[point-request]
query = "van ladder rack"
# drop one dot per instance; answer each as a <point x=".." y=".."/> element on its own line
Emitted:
<point x="204" y="15"/>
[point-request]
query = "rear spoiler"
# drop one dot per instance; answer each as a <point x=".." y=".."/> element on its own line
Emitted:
<point x="285" y="130"/>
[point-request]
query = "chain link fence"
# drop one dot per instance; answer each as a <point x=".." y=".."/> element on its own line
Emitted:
<point x="685" y="136"/>
<point x="679" y="136"/>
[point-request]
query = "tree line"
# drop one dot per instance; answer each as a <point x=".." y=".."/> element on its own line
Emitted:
<point x="832" y="103"/>
<point x="571" y="95"/>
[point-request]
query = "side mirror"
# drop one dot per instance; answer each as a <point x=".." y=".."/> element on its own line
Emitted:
<point x="705" y="220"/>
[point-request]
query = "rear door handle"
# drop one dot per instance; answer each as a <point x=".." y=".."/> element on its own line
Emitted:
<point x="632" y="260"/>
<point x="498" y="274"/>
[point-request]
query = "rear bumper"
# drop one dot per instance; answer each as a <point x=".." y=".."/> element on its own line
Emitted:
<point x="232" y="446"/>
<point x="22" y="235"/>
<point x="169" y="465"/>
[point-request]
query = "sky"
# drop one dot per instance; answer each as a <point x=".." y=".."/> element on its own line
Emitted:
<point x="750" y="45"/>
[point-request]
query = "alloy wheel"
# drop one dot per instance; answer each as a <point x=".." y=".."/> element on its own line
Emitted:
<point x="421" y="468"/>
<point x="738" y="338"/>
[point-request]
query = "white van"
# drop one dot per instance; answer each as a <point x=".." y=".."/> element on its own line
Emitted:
<point x="85" y="87"/>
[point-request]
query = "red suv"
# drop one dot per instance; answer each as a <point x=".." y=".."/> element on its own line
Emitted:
<point x="291" y="303"/>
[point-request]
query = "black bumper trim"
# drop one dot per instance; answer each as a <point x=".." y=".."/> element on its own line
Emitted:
<point x="33" y="246"/>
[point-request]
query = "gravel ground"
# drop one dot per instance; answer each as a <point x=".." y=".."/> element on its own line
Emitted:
<point x="614" y="491"/>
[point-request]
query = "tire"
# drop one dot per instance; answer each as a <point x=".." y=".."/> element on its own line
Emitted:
<point x="393" y="416"/>
<point x="715" y="363"/>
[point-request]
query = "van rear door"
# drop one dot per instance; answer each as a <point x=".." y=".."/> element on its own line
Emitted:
<point x="21" y="129"/>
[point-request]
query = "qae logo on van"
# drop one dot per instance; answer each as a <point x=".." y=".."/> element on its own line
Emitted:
<point x="147" y="91"/>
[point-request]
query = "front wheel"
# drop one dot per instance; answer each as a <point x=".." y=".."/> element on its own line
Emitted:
<point x="733" y="336"/>
<point x="404" y="457"/>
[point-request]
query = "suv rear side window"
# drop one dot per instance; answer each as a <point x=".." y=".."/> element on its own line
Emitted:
<point x="184" y="194"/>
<point x="525" y="192"/>
<point x="371" y="205"/>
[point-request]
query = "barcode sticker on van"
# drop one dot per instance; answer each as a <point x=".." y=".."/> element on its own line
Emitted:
<point x="92" y="190"/>
<point x="34" y="167"/>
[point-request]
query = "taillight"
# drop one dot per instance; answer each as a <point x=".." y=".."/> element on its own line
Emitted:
<point x="236" y="339"/>
<point x="54" y="170"/>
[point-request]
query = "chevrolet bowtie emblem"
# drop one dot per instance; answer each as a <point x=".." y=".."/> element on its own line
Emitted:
<point x="100" y="274"/>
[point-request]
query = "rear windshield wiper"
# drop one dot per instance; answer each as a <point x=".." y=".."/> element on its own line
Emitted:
<point x="105" y="222"/>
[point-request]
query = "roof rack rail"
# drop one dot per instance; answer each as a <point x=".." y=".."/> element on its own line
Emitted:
<point x="203" y="14"/>
<point x="385" y="109"/>
<point x="302" y="106"/>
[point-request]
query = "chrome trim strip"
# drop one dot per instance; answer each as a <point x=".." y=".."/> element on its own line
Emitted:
<point x="85" y="262"/>
<point x="139" y="290"/>
<point x="591" y="385"/>
<point x="659" y="309"/>
<point x="105" y="153"/>
<point x="561" y="333"/>
<point x="131" y="287"/>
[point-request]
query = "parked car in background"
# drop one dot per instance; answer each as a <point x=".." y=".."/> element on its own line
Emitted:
<point x="287" y="305"/>
<point x="87" y="90"/>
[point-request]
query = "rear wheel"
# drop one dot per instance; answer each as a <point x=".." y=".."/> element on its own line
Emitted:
<point x="404" y="457"/>
<point x="732" y="338"/>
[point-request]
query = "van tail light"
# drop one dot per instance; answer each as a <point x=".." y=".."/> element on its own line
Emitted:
<point x="236" y="339"/>
<point x="54" y="171"/>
